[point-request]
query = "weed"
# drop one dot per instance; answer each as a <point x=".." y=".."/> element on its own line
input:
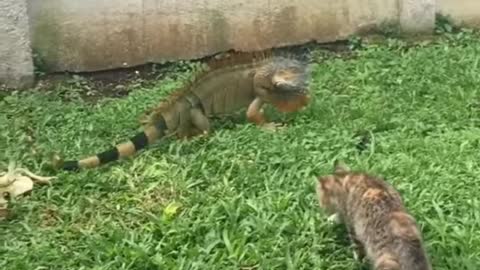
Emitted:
<point x="390" y="29"/>
<point x="444" y="24"/>
<point x="39" y="65"/>
<point x="355" y="43"/>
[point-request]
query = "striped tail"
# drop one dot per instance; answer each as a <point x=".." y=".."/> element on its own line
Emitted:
<point x="136" y="143"/>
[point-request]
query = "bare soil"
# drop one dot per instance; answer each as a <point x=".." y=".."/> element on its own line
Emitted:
<point x="115" y="83"/>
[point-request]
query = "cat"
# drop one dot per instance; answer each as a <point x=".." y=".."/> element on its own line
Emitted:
<point x="376" y="219"/>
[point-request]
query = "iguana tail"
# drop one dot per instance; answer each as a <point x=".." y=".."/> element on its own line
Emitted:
<point x="139" y="141"/>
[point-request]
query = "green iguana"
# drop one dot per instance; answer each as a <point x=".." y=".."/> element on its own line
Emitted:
<point x="241" y="80"/>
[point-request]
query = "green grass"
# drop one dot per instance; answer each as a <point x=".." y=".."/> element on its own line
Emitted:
<point x="245" y="197"/>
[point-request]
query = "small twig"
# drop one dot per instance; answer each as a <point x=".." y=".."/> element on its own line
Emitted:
<point x="38" y="178"/>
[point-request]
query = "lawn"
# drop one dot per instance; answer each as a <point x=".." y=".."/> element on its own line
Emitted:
<point x="243" y="198"/>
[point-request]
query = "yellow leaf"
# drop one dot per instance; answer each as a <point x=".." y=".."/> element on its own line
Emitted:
<point x="22" y="185"/>
<point x="171" y="209"/>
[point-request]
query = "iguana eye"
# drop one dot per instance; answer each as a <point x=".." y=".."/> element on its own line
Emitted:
<point x="285" y="87"/>
<point x="6" y="195"/>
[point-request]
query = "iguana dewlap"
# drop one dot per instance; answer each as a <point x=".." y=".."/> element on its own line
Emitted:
<point x="242" y="80"/>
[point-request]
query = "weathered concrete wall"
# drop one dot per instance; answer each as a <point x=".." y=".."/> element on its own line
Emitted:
<point x="93" y="35"/>
<point x="417" y="16"/>
<point x="465" y="12"/>
<point x="16" y="67"/>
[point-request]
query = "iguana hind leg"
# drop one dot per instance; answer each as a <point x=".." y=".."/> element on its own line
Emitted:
<point x="200" y="121"/>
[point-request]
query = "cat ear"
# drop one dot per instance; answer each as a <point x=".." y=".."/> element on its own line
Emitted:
<point x="326" y="182"/>
<point x="340" y="167"/>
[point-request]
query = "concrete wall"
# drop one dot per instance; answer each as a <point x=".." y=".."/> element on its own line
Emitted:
<point x="466" y="12"/>
<point x="16" y="67"/>
<point x="417" y="15"/>
<point x="91" y="35"/>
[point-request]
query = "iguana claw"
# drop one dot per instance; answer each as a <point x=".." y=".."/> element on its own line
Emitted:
<point x="272" y="126"/>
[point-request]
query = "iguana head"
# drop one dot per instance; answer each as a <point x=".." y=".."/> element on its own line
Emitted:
<point x="289" y="84"/>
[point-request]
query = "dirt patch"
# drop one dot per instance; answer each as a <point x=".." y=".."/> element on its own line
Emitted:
<point x="93" y="86"/>
<point x="116" y="83"/>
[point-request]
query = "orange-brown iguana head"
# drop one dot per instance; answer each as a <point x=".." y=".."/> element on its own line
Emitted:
<point x="289" y="84"/>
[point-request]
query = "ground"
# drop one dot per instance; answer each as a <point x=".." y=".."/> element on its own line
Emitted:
<point x="243" y="198"/>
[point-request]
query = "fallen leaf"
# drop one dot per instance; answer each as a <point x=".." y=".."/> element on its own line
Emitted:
<point x="15" y="182"/>
<point x="21" y="185"/>
<point x="171" y="209"/>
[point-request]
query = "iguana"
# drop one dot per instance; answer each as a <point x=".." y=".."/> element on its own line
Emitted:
<point x="241" y="80"/>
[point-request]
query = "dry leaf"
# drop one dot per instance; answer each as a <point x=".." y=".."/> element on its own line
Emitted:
<point x="22" y="185"/>
<point x="15" y="182"/>
<point x="171" y="209"/>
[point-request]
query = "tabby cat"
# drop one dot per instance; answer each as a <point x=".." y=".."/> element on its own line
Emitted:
<point x="377" y="222"/>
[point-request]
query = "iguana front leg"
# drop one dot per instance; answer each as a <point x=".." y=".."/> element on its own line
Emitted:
<point x="255" y="112"/>
<point x="255" y="115"/>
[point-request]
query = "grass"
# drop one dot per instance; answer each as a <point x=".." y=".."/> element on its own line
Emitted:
<point x="244" y="198"/>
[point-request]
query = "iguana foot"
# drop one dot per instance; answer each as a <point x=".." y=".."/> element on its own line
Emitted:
<point x="203" y="134"/>
<point x="272" y="126"/>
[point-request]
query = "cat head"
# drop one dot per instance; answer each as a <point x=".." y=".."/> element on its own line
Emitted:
<point x="329" y="187"/>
